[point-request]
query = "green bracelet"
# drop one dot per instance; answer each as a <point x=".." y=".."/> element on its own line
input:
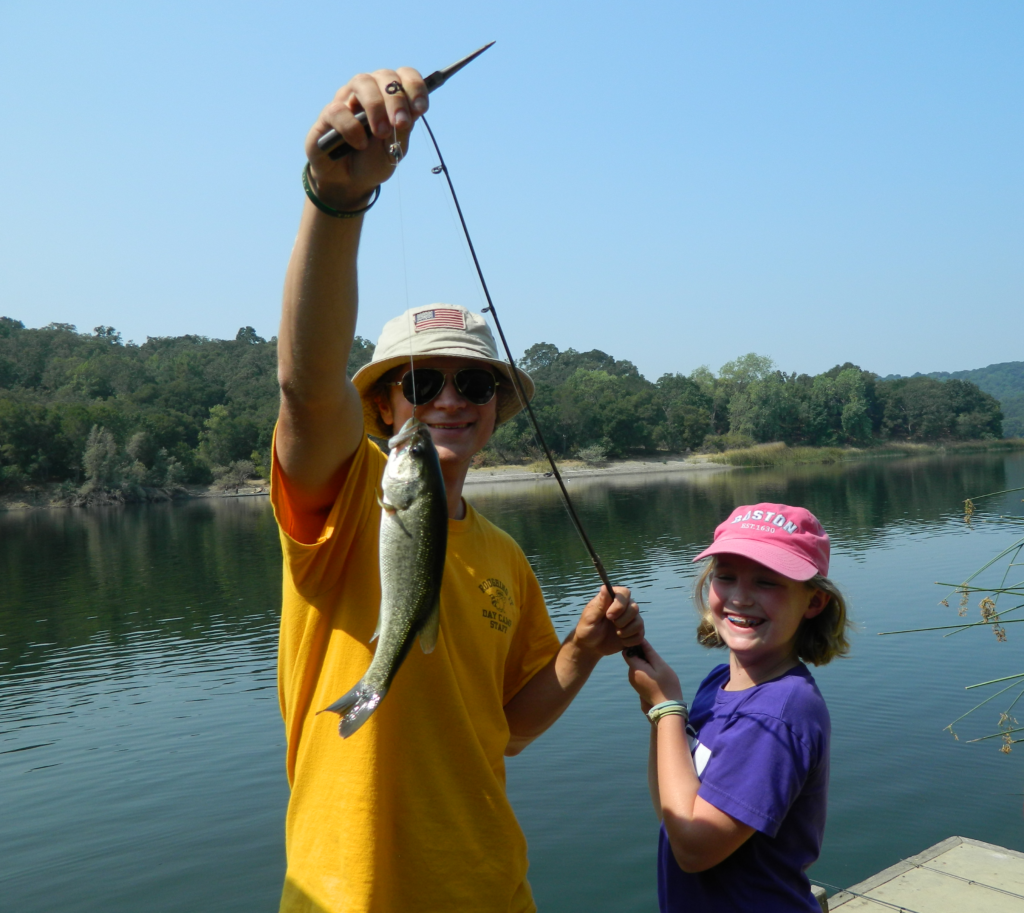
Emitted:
<point x="668" y="708"/>
<point x="307" y="185"/>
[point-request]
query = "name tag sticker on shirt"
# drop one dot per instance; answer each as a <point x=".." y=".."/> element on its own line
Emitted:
<point x="701" y="755"/>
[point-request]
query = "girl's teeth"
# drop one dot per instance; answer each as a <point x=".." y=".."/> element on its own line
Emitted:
<point x="741" y="622"/>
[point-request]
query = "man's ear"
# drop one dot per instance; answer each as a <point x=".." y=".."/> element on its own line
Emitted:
<point x="387" y="416"/>
<point x="819" y="602"/>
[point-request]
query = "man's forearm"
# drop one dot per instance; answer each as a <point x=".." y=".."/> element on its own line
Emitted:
<point x="320" y="423"/>
<point x="544" y="698"/>
<point x="318" y="318"/>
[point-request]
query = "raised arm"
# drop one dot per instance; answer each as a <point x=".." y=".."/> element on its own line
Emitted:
<point x="320" y="423"/>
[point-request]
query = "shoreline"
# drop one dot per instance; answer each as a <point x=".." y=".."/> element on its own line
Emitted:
<point x="762" y="456"/>
<point x="487" y="475"/>
<point x="41" y="497"/>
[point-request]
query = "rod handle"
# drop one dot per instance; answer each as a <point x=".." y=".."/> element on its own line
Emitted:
<point x="332" y="143"/>
<point x="335" y="146"/>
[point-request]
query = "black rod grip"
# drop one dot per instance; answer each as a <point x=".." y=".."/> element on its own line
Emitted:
<point x="332" y="143"/>
<point x="336" y="147"/>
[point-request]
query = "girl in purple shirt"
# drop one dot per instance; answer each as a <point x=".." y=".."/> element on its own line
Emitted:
<point x="740" y="781"/>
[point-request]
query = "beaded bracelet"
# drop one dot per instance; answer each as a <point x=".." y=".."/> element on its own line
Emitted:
<point x="307" y="185"/>
<point x="668" y="708"/>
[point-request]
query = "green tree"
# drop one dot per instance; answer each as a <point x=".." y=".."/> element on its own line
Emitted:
<point x="734" y="377"/>
<point x="686" y="409"/>
<point x="839" y="408"/>
<point x="226" y="438"/>
<point x="103" y="461"/>
<point x="618" y="413"/>
<point x="538" y="359"/>
<point x="977" y="414"/>
<point x="247" y="336"/>
<point x="924" y="409"/>
<point x="360" y="354"/>
<point x="545" y="364"/>
<point x="769" y="407"/>
<point x="745" y="370"/>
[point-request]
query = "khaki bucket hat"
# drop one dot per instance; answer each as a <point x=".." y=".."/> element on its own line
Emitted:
<point x="436" y="330"/>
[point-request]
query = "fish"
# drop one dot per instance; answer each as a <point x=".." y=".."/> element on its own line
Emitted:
<point x="413" y="546"/>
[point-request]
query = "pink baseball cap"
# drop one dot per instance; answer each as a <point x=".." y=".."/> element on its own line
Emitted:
<point x="788" y="540"/>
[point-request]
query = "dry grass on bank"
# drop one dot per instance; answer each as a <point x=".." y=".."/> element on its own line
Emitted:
<point x="779" y="454"/>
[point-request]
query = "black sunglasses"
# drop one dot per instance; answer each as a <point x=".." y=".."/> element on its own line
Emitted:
<point x="421" y="385"/>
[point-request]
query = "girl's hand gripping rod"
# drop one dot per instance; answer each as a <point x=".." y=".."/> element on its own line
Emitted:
<point x="333" y="144"/>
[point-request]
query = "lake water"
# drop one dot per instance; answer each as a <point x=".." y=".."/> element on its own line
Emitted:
<point x="142" y="751"/>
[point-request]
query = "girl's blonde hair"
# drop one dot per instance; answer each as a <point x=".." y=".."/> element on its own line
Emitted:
<point x="819" y="640"/>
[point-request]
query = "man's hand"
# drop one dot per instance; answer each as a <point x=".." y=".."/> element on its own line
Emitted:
<point x="609" y="625"/>
<point x="348" y="182"/>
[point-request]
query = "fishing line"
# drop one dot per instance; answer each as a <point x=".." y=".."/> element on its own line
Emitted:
<point x="396" y="154"/>
<point x="516" y="383"/>
<point x="875" y="900"/>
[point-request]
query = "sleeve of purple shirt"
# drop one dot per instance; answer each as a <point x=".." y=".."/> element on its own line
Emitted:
<point x="757" y="769"/>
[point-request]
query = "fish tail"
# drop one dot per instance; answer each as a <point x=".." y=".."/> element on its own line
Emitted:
<point x="355" y="707"/>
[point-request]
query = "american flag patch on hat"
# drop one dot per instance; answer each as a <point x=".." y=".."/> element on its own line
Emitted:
<point x="435" y="318"/>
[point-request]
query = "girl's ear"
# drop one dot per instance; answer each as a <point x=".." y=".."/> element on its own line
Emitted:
<point x="819" y="602"/>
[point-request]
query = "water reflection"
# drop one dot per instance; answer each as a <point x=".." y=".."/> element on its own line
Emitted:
<point x="641" y="523"/>
<point x="192" y="571"/>
<point x="141" y="749"/>
<point x="138" y="708"/>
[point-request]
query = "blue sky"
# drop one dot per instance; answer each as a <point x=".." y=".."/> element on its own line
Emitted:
<point x="674" y="183"/>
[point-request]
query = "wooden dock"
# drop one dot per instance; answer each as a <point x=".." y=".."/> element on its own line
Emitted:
<point x="959" y="875"/>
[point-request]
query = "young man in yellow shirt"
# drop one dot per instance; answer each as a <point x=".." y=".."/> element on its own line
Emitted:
<point x="410" y="813"/>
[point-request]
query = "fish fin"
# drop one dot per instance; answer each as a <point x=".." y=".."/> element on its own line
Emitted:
<point x="428" y="633"/>
<point x="376" y="630"/>
<point x="355" y="707"/>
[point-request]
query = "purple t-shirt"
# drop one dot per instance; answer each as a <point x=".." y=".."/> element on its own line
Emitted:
<point x="762" y="757"/>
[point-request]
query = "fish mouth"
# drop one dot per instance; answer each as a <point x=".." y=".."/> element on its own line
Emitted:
<point x="406" y="434"/>
<point x="744" y="621"/>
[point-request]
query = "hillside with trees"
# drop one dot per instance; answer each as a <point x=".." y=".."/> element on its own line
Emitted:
<point x="1005" y="382"/>
<point x="589" y="399"/>
<point x="93" y="412"/>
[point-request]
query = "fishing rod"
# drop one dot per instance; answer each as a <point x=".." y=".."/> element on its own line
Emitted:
<point x="336" y="147"/>
<point x="598" y="564"/>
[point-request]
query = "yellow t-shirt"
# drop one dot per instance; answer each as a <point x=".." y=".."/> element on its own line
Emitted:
<point x="409" y="813"/>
